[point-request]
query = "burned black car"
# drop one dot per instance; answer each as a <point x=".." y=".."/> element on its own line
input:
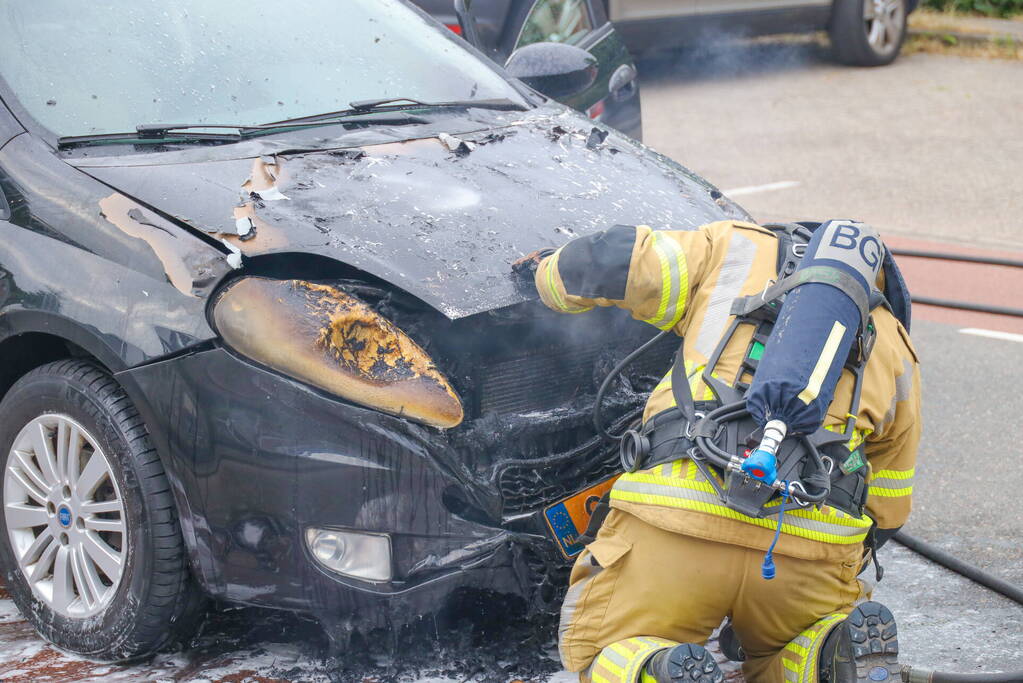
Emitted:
<point x="276" y="356"/>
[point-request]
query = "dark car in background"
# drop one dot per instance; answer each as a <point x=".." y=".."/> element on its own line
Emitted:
<point x="504" y="27"/>
<point x="862" y="32"/>
<point x="259" y="333"/>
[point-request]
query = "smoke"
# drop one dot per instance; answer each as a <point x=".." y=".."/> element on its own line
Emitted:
<point x="722" y="52"/>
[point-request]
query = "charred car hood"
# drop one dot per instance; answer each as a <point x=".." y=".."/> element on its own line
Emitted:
<point x="442" y="217"/>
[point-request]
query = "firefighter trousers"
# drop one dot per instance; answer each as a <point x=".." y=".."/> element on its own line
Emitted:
<point x="638" y="589"/>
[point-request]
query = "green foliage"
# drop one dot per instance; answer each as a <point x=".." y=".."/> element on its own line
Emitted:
<point x="990" y="8"/>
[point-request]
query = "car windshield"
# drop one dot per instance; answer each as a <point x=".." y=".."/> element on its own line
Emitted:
<point x="109" y="66"/>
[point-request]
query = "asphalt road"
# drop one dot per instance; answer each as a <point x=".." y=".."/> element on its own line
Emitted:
<point x="928" y="150"/>
<point x="927" y="147"/>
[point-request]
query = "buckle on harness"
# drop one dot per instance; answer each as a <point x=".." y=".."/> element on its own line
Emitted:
<point x="691" y="426"/>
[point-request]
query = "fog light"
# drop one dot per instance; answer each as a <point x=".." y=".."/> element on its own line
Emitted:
<point x="362" y="555"/>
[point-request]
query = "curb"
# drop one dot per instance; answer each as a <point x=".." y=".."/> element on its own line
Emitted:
<point x="957" y="37"/>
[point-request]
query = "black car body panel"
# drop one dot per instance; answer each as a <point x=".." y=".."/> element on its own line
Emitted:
<point x="443" y="225"/>
<point x="116" y="293"/>
<point x="114" y="253"/>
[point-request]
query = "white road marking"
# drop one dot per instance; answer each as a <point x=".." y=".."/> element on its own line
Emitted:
<point x="769" y="187"/>
<point x="993" y="334"/>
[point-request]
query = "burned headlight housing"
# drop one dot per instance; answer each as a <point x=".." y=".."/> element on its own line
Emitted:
<point x="323" y="336"/>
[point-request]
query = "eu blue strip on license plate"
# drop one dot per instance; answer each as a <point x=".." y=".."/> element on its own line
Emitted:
<point x="564" y="529"/>
<point x="569" y="519"/>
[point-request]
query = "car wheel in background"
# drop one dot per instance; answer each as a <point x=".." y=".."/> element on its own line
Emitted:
<point x="90" y="546"/>
<point x="867" y="32"/>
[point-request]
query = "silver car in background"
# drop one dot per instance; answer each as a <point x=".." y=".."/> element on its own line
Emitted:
<point x="863" y="32"/>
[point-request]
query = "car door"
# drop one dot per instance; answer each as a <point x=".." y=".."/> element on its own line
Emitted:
<point x="713" y="7"/>
<point x="652" y="10"/>
<point x="614" y="95"/>
<point x="9" y="128"/>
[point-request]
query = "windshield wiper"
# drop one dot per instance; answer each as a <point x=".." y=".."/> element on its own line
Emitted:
<point x="399" y="104"/>
<point x="502" y="104"/>
<point x="66" y="141"/>
<point x="168" y="132"/>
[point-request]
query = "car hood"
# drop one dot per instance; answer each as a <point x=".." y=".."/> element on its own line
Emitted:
<point x="442" y="216"/>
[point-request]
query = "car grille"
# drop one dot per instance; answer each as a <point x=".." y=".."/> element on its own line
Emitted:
<point x="530" y="486"/>
<point x="547" y="377"/>
<point x="539" y="380"/>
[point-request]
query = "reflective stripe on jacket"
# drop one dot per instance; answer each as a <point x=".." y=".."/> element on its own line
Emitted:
<point x="686" y="281"/>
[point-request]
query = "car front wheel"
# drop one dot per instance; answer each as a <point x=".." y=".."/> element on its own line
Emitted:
<point x="867" y="32"/>
<point x="90" y="546"/>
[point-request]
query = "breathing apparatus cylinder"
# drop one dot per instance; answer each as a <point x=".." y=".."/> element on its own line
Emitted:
<point x="825" y="310"/>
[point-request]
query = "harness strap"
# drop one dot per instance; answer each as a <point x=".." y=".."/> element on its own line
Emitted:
<point x="825" y="275"/>
<point x="680" y="385"/>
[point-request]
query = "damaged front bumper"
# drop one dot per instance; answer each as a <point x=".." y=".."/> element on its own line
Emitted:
<point x="256" y="459"/>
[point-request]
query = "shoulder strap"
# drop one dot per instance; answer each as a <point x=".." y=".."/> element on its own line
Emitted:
<point x="680" y="386"/>
<point x="825" y="275"/>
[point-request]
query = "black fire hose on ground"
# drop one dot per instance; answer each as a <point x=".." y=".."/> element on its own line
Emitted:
<point x="932" y="552"/>
<point x="967" y="258"/>
<point x="968" y="306"/>
<point x="977" y="575"/>
<point x="972" y="572"/>
<point x="912" y="675"/>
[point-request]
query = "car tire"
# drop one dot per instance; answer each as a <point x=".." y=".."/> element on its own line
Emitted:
<point x="867" y="32"/>
<point x="90" y="549"/>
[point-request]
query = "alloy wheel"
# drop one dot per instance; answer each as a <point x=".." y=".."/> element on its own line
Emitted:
<point x="65" y="516"/>
<point x="883" y="22"/>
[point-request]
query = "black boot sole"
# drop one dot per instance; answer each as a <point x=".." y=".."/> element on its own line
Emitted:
<point x="875" y="643"/>
<point x="689" y="663"/>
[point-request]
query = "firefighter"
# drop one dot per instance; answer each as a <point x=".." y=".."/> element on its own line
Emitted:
<point x="670" y="562"/>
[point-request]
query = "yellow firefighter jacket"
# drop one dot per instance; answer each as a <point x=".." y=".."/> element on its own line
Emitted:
<point x="686" y="281"/>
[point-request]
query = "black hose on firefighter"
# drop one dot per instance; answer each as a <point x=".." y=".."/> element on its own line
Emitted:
<point x="598" y="421"/>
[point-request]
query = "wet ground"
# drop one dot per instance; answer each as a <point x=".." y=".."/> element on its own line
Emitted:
<point x="945" y="622"/>
<point x="927" y="150"/>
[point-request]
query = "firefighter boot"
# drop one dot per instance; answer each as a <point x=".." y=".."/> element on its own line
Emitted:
<point x="862" y="649"/>
<point x="685" y="663"/>
<point x="731" y="648"/>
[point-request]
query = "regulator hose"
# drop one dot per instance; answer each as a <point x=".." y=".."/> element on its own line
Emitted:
<point x="598" y="421"/>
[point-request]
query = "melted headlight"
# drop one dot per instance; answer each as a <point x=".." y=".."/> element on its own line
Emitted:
<point x="321" y="335"/>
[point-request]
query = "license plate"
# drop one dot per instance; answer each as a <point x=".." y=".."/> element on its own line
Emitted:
<point x="568" y="519"/>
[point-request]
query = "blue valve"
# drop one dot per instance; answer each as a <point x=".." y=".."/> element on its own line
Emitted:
<point x="762" y="466"/>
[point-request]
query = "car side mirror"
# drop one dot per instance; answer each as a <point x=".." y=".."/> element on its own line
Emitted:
<point x="555" y="69"/>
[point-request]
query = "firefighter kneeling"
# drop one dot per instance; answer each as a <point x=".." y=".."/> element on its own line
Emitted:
<point x="681" y="549"/>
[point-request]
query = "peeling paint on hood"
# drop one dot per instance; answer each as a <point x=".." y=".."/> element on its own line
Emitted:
<point x="441" y="220"/>
<point x="187" y="265"/>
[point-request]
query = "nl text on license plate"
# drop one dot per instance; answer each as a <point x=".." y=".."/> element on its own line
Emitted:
<point x="568" y="519"/>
